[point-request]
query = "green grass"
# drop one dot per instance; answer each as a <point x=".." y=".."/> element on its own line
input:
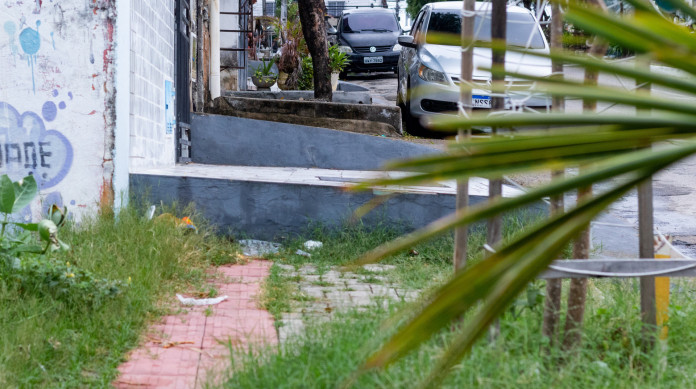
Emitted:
<point x="610" y="356"/>
<point x="50" y="342"/>
<point x="429" y="267"/>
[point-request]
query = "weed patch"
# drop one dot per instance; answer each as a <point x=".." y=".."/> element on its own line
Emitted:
<point x="71" y="317"/>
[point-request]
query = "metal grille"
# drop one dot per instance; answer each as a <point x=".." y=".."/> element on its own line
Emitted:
<point x="366" y="49"/>
<point x="245" y="13"/>
<point x="183" y="80"/>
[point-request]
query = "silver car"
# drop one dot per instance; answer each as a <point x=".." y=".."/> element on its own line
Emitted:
<point x="429" y="69"/>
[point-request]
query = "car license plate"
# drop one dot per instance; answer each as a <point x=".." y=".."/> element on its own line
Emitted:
<point x="481" y="101"/>
<point x="373" y="59"/>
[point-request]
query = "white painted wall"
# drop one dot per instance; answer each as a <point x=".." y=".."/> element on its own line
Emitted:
<point x="151" y="64"/>
<point x="57" y="98"/>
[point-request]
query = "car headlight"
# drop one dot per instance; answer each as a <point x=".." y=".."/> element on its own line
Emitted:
<point x="431" y="75"/>
<point x="345" y="49"/>
<point x="397" y="47"/>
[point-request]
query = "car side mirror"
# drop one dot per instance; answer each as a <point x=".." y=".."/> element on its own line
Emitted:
<point x="407" y="41"/>
<point x="332" y="31"/>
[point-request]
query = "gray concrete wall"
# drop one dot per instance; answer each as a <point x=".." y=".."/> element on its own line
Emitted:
<point x="351" y="97"/>
<point x="225" y="140"/>
<point x="272" y="211"/>
<point x="360" y="118"/>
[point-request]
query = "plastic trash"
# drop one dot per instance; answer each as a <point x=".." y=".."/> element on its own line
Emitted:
<point x="312" y="245"/>
<point x="303" y="253"/>
<point x="194" y="301"/>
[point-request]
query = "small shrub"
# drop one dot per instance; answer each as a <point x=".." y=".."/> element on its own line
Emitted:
<point x="306" y="81"/>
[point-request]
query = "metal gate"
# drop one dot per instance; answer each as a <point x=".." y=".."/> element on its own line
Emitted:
<point x="182" y="75"/>
<point x="244" y="14"/>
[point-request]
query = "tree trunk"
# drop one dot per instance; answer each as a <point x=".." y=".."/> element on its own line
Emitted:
<point x="461" y="234"/>
<point x="554" y="287"/>
<point x="581" y="248"/>
<point x="314" y="31"/>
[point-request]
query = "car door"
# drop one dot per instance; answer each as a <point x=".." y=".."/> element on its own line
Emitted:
<point x="409" y="56"/>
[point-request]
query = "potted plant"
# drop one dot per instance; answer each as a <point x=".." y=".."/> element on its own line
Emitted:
<point x="287" y="65"/>
<point x="338" y="61"/>
<point x="264" y="77"/>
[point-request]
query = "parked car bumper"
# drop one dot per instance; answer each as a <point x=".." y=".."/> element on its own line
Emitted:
<point x="390" y="61"/>
<point x="429" y="98"/>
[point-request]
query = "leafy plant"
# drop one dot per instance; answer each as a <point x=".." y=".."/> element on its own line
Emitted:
<point x="265" y="71"/>
<point x="289" y="59"/>
<point x="306" y="80"/>
<point x="26" y="264"/>
<point x="338" y="60"/>
<point x="608" y="146"/>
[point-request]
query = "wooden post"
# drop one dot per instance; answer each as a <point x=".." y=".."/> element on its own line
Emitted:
<point x="461" y="234"/>
<point x="552" y="303"/>
<point x="494" y="230"/>
<point x="581" y="247"/>
<point x="648" y="310"/>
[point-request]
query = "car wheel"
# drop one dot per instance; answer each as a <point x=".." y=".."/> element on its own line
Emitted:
<point x="410" y="123"/>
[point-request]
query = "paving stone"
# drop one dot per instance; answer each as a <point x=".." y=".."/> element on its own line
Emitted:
<point x="371" y="277"/>
<point x="311" y="278"/>
<point x="313" y="291"/>
<point x="308" y="269"/>
<point x="196" y="342"/>
<point x="290" y="328"/>
<point x="358" y="286"/>
<point x="286" y="267"/>
<point x="377" y="268"/>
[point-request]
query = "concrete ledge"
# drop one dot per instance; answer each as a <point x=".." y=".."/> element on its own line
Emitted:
<point x="353" y="97"/>
<point x="268" y="203"/>
<point x="266" y="210"/>
<point x="225" y="140"/>
<point x="360" y="118"/>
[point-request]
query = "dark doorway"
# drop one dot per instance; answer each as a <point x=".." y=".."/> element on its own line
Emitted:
<point x="182" y="75"/>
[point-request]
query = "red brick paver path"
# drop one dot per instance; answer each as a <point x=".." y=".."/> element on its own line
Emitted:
<point x="183" y="347"/>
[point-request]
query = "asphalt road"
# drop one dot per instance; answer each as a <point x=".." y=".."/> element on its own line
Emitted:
<point x="674" y="188"/>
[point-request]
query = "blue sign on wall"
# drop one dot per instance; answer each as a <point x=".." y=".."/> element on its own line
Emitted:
<point x="169" y="107"/>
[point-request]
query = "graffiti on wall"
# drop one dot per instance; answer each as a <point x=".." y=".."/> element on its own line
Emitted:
<point x="28" y="147"/>
<point x="29" y="41"/>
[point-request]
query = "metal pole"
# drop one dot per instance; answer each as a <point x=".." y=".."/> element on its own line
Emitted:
<point x="461" y="235"/>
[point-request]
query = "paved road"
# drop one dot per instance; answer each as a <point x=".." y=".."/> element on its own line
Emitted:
<point x="674" y="188"/>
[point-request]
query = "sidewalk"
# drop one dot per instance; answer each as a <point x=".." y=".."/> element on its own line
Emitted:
<point x="184" y="347"/>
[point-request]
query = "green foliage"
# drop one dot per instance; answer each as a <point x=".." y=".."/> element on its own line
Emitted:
<point x="52" y="338"/>
<point x="413" y="6"/>
<point x="265" y="71"/>
<point x="338" y="60"/>
<point x="574" y="41"/>
<point x="609" y="357"/>
<point x="29" y="268"/>
<point x="612" y="148"/>
<point x="306" y="80"/>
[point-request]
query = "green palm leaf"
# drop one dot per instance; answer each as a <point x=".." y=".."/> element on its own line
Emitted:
<point x="607" y="145"/>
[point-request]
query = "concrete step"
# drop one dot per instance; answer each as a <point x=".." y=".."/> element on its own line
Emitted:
<point x="274" y="202"/>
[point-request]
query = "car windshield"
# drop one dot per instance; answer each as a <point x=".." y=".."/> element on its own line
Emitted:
<point x="372" y="22"/>
<point x="521" y="29"/>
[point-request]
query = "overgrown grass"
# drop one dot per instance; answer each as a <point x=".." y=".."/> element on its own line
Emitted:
<point x="609" y="357"/>
<point x="327" y="354"/>
<point x="422" y="267"/>
<point x="49" y="342"/>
